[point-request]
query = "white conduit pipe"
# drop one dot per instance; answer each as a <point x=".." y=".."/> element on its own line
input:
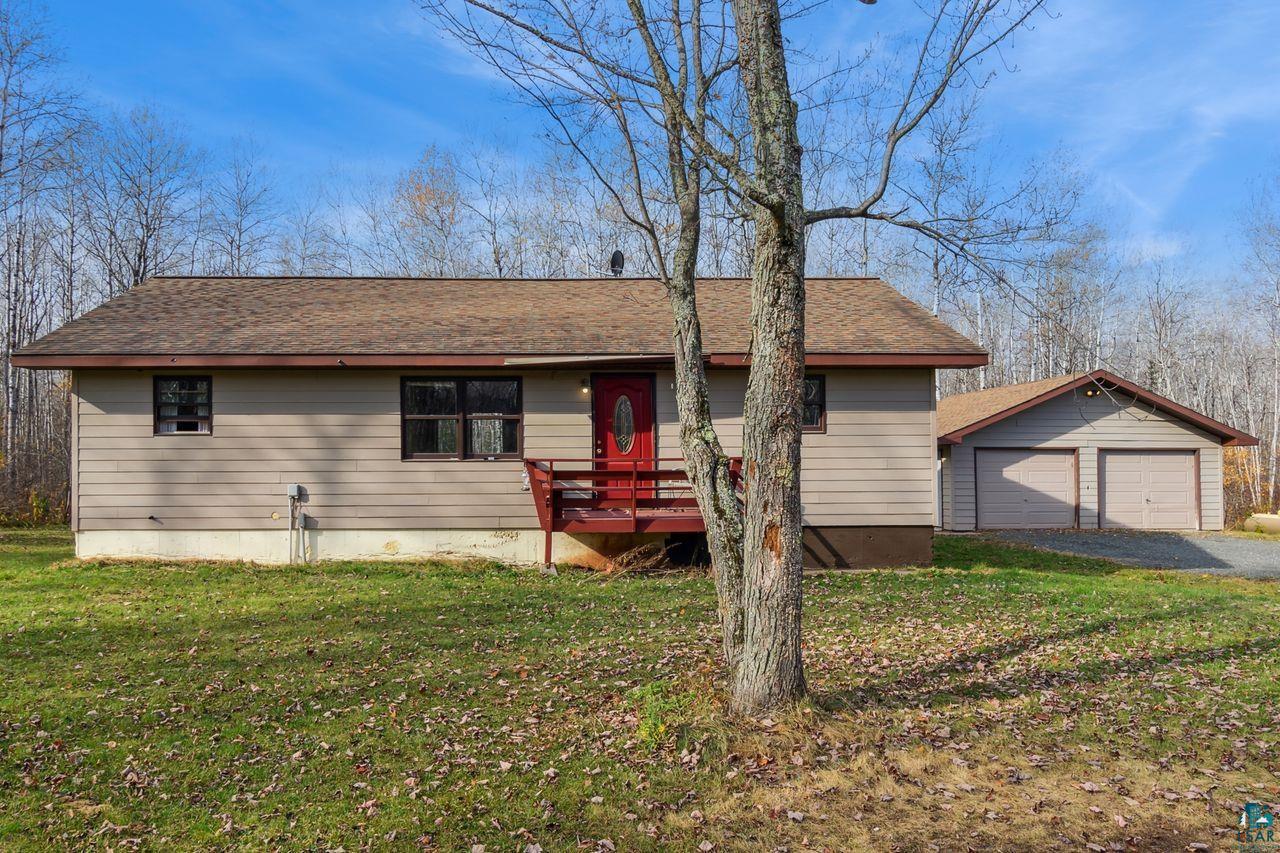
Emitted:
<point x="294" y="492"/>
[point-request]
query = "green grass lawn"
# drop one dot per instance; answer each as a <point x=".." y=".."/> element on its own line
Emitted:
<point x="1004" y="699"/>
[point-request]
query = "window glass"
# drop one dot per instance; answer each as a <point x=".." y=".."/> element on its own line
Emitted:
<point x="624" y="424"/>
<point x="431" y="436"/>
<point x="490" y="436"/>
<point x="430" y="397"/>
<point x="493" y="396"/>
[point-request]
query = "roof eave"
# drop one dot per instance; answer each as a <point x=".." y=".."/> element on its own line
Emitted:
<point x="189" y="361"/>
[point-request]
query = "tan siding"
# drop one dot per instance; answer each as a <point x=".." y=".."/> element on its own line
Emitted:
<point x="934" y="484"/>
<point x="1088" y="486"/>
<point x="944" y="468"/>
<point x="74" y="500"/>
<point x="875" y="463"/>
<point x="879" y="430"/>
<point x="338" y="434"/>
<point x="1212" y="509"/>
<point x="1102" y="422"/>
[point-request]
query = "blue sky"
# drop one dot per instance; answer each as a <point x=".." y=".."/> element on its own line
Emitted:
<point x="1172" y="107"/>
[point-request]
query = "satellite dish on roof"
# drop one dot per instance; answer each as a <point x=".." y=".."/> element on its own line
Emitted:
<point x="615" y="262"/>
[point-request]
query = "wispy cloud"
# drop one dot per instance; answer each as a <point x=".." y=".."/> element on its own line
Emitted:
<point x="1145" y="93"/>
<point x="1171" y="107"/>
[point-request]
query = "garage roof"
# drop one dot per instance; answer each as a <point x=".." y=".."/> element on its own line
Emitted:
<point x="962" y="414"/>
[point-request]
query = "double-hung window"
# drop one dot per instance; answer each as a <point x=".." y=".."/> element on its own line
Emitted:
<point x="460" y="418"/>
<point x="183" y="404"/>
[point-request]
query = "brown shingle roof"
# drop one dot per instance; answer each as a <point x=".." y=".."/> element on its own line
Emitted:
<point x="961" y="410"/>
<point x="472" y="317"/>
<point x="962" y="414"/>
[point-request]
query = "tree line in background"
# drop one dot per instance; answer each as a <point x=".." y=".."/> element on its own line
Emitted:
<point x="93" y="203"/>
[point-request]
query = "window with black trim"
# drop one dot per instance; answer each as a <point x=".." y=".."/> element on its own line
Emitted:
<point x="183" y="404"/>
<point x="478" y="418"/>
<point x="815" y="404"/>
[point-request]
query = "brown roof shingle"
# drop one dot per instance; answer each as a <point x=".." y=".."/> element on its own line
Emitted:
<point x="961" y="410"/>
<point x="422" y="317"/>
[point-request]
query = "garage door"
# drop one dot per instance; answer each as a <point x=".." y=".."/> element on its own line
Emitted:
<point x="1026" y="488"/>
<point x="1148" y="490"/>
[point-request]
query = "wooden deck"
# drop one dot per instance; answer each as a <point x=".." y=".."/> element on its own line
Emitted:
<point x="600" y="496"/>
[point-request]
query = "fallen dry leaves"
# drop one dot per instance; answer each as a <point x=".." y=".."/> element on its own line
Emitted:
<point x="478" y="707"/>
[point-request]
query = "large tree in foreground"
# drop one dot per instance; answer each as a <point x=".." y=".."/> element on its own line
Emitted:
<point x="665" y="103"/>
<point x="770" y="671"/>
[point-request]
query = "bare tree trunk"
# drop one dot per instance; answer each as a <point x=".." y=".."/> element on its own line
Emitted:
<point x="771" y="670"/>
<point x="982" y="315"/>
<point x="1273" y="473"/>
<point x="705" y="460"/>
<point x="704" y="457"/>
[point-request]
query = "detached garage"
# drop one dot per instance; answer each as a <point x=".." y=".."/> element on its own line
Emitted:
<point x="1083" y="450"/>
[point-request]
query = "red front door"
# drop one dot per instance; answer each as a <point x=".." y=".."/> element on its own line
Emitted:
<point x="624" y="427"/>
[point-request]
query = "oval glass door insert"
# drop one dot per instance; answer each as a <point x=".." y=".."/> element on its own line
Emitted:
<point x="624" y="424"/>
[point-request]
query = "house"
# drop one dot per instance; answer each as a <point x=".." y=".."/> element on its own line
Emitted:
<point x="1083" y="450"/>
<point x="270" y="419"/>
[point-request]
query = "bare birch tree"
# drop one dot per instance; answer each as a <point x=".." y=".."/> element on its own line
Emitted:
<point x="39" y="119"/>
<point x="1263" y="230"/>
<point x="306" y="244"/>
<point x="243" y="214"/>
<point x="141" y="192"/>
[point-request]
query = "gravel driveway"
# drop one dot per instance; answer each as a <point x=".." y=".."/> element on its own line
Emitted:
<point x="1200" y="552"/>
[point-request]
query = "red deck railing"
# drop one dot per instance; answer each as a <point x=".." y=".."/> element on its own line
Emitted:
<point x="614" y="496"/>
